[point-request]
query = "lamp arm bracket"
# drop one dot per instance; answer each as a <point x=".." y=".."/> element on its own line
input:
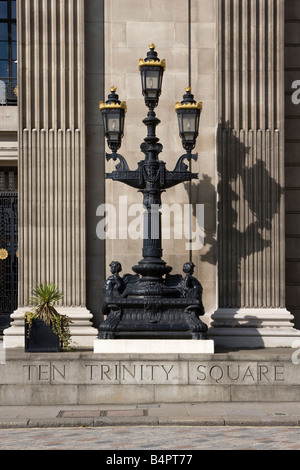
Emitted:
<point x="181" y="166"/>
<point x="123" y="165"/>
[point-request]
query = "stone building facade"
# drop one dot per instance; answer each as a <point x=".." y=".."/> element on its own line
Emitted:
<point x="244" y="63"/>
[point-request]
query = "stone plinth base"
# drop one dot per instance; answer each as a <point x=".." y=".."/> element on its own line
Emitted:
<point x="253" y="328"/>
<point x="152" y="346"/>
<point x="86" y="378"/>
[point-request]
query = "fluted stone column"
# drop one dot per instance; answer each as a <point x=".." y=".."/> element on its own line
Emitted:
<point x="52" y="242"/>
<point x="250" y="160"/>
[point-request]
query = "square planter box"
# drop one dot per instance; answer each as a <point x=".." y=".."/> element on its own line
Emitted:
<point x="42" y="338"/>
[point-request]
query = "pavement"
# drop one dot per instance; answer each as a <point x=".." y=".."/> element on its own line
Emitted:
<point x="165" y="414"/>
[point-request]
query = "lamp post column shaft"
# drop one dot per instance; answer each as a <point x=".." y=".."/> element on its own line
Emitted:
<point x="152" y="244"/>
<point x="152" y="174"/>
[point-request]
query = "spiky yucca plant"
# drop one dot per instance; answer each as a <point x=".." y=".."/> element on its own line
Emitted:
<point x="43" y="298"/>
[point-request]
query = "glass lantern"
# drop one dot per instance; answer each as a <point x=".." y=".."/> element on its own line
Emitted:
<point x="113" y="115"/>
<point x="152" y="70"/>
<point x="188" y="113"/>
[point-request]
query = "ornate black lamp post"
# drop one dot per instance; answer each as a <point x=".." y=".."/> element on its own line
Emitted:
<point x="152" y="303"/>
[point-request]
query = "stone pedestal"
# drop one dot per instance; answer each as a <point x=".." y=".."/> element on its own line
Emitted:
<point x="253" y="328"/>
<point x="148" y="346"/>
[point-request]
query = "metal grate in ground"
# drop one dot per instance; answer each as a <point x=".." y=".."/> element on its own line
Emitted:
<point x="102" y="413"/>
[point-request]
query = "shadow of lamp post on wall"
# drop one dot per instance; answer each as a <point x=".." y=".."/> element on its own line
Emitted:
<point x="152" y="303"/>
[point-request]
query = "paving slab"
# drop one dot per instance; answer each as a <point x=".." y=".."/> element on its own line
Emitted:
<point x="182" y="414"/>
<point x="192" y="421"/>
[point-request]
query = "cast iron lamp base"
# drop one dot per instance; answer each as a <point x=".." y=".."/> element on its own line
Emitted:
<point x="165" y="308"/>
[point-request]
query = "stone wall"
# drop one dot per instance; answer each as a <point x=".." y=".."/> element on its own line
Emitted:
<point x="237" y="57"/>
<point x="89" y="379"/>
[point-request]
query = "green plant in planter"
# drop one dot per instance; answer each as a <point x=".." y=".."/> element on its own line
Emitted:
<point x="43" y="299"/>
